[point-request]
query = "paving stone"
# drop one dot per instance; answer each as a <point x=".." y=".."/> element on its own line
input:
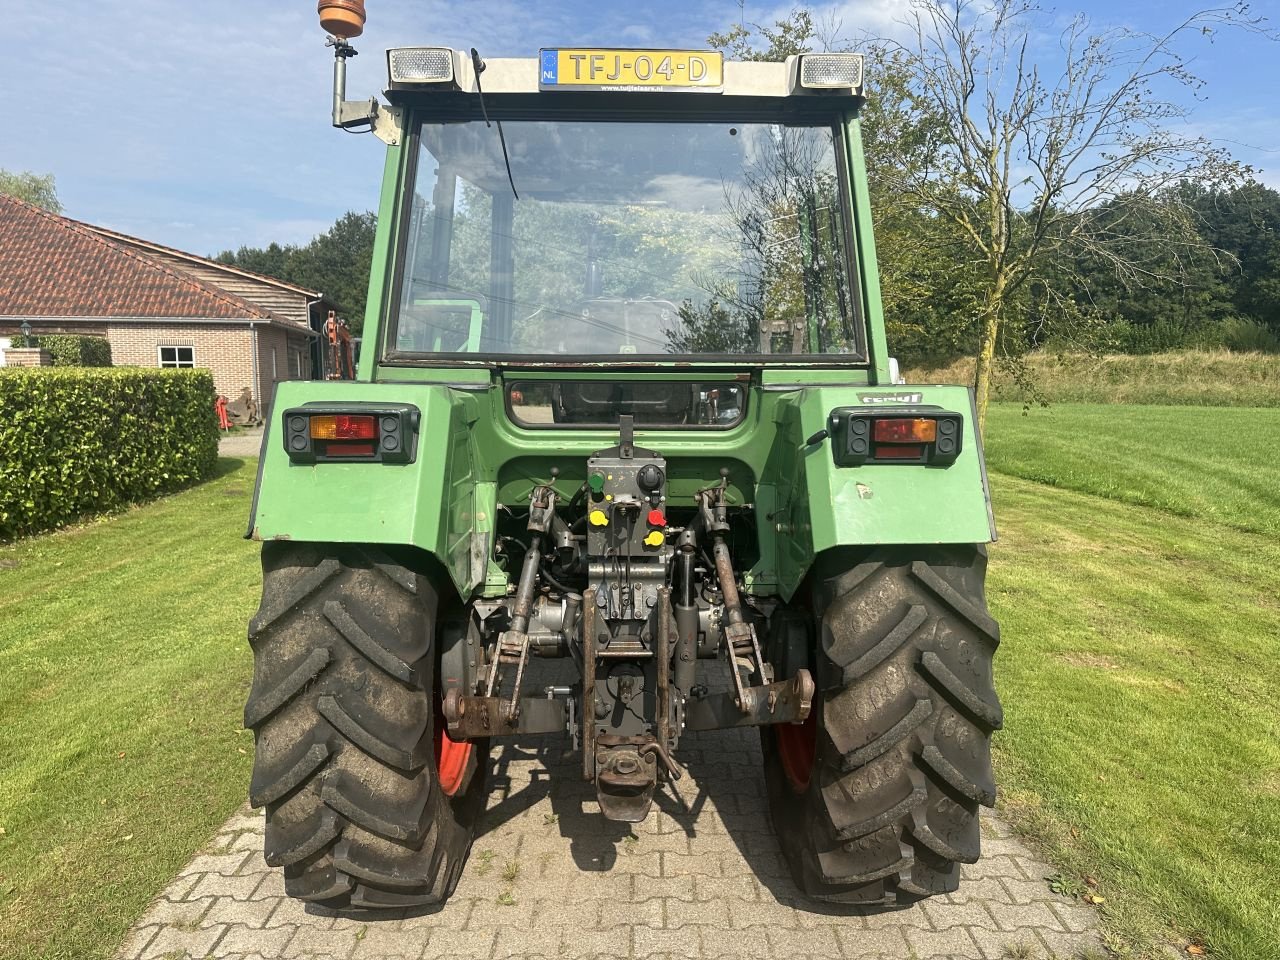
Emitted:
<point x="538" y="940"/>
<point x="272" y="887"/>
<point x="1024" y="915"/>
<point x="615" y="942"/>
<point x="167" y="913"/>
<point x="798" y="942"/>
<point x="955" y="942"/>
<point x="1028" y="891"/>
<point x="253" y="820"/>
<point x="653" y="942"/>
<point x="136" y="942"/>
<point x="224" y="863"/>
<point x="455" y="914"/>
<point x="249" y="840"/>
<point x="217" y="885"/>
<point x="912" y="916"/>
<point x="997" y="945"/>
<point x="712" y="913"/>
<point x="1034" y="869"/>
<point x="744" y="887"/>
<point x="248" y="913"/>
<point x="182" y="942"/>
<point x="986" y="889"/>
<point x="673" y="888"/>
<point x="475" y="943"/>
<point x="750" y="942"/>
<point x="675" y="865"/>
<point x="1075" y="917"/>
<point x="289" y="911"/>
<point x="993" y="867"/>
<point x="247" y="940"/>
<point x="751" y="913"/>
<point x="181" y="887"/>
<point x="615" y="913"/>
<point x="310" y="941"/>
<point x="863" y="944"/>
<point x="946" y="915"/>
<point x="1067" y="945"/>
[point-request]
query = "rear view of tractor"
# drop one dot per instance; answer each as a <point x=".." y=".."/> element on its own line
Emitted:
<point x="623" y="400"/>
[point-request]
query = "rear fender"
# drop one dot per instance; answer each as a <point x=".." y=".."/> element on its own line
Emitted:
<point x="429" y="504"/>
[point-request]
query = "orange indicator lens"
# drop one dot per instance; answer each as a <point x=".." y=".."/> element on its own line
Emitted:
<point x="906" y="431"/>
<point x="344" y="426"/>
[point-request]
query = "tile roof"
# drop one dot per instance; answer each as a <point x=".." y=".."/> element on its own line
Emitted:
<point x="52" y="266"/>
<point x="200" y="261"/>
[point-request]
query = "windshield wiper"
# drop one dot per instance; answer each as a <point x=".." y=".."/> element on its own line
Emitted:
<point x="478" y="64"/>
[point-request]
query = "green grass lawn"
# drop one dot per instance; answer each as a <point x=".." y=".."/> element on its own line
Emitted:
<point x="1210" y="463"/>
<point x="1142" y="726"/>
<point x="1139" y="670"/>
<point x="123" y="667"/>
<point x="1141" y="618"/>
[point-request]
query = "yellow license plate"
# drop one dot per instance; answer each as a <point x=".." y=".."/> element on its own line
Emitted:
<point x="585" y="69"/>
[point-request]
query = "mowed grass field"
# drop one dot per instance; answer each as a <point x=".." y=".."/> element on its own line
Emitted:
<point x="123" y="672"/>
<point x="1139" y="598"/>
<point x="1136" y="582"/>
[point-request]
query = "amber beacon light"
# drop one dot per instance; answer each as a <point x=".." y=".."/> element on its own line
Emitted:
<point x="343" y="19"/>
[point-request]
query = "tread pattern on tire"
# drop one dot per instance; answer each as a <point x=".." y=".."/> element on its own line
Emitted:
<point x="342" y="712"/>
<point x="904" y="660"/>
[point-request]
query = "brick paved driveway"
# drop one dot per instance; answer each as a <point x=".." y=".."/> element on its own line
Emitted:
<point x="548" y="877"/>
<point x="246" y="443"/>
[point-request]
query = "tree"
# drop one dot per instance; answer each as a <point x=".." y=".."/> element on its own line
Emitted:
<point x="923" y="272"/>
<point x="336" y="262"/>
<point x="31" y="187"/>
<point x="1036" y="169"/>
<point x="1245" y="222"/>
<point x="791" y="35"/>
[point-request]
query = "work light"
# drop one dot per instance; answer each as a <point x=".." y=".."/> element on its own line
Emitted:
<point x="420" y="65"/>
<point x="826" y="71"/>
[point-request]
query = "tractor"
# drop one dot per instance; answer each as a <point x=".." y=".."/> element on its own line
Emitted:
<point x="625" y="400"/>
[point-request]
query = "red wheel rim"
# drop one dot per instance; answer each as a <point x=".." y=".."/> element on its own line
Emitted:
<point x="452" y="757"/>
<point x="797" y="749"/>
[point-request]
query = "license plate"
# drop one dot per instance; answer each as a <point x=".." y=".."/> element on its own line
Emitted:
<point x="584" y="69"/>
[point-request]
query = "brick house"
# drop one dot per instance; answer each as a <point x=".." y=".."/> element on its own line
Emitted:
<point x="157" y="306"/>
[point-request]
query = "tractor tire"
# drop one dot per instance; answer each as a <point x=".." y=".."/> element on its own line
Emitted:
<point x="875" y="798"/>
<point x="368" y="803"/>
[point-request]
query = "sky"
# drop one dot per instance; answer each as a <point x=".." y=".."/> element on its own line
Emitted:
<point x="204" y="124"/>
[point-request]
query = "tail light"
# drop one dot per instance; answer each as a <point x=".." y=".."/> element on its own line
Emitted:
<point x="915" y="434"/>
<point x="344" y="426"/>
<point x="378" y="433"/>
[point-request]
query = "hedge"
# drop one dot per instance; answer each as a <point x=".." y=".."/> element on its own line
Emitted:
<point x="74" y="351"/>
<point x="76" y="441"/>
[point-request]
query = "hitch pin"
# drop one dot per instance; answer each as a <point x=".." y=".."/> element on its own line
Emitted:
<point x="665" y="757"/>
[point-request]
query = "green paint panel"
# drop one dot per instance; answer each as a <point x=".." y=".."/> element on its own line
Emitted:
<point x="472" y="458"/>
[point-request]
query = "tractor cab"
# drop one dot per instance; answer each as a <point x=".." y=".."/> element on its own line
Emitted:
<point x="623" y="207"/>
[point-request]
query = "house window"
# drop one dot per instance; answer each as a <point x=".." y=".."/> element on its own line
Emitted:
<point x="295" y="364"/>
<point x="177" y="356"/>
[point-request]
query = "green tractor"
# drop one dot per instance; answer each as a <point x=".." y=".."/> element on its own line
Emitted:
<point x="624" y="399"/>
